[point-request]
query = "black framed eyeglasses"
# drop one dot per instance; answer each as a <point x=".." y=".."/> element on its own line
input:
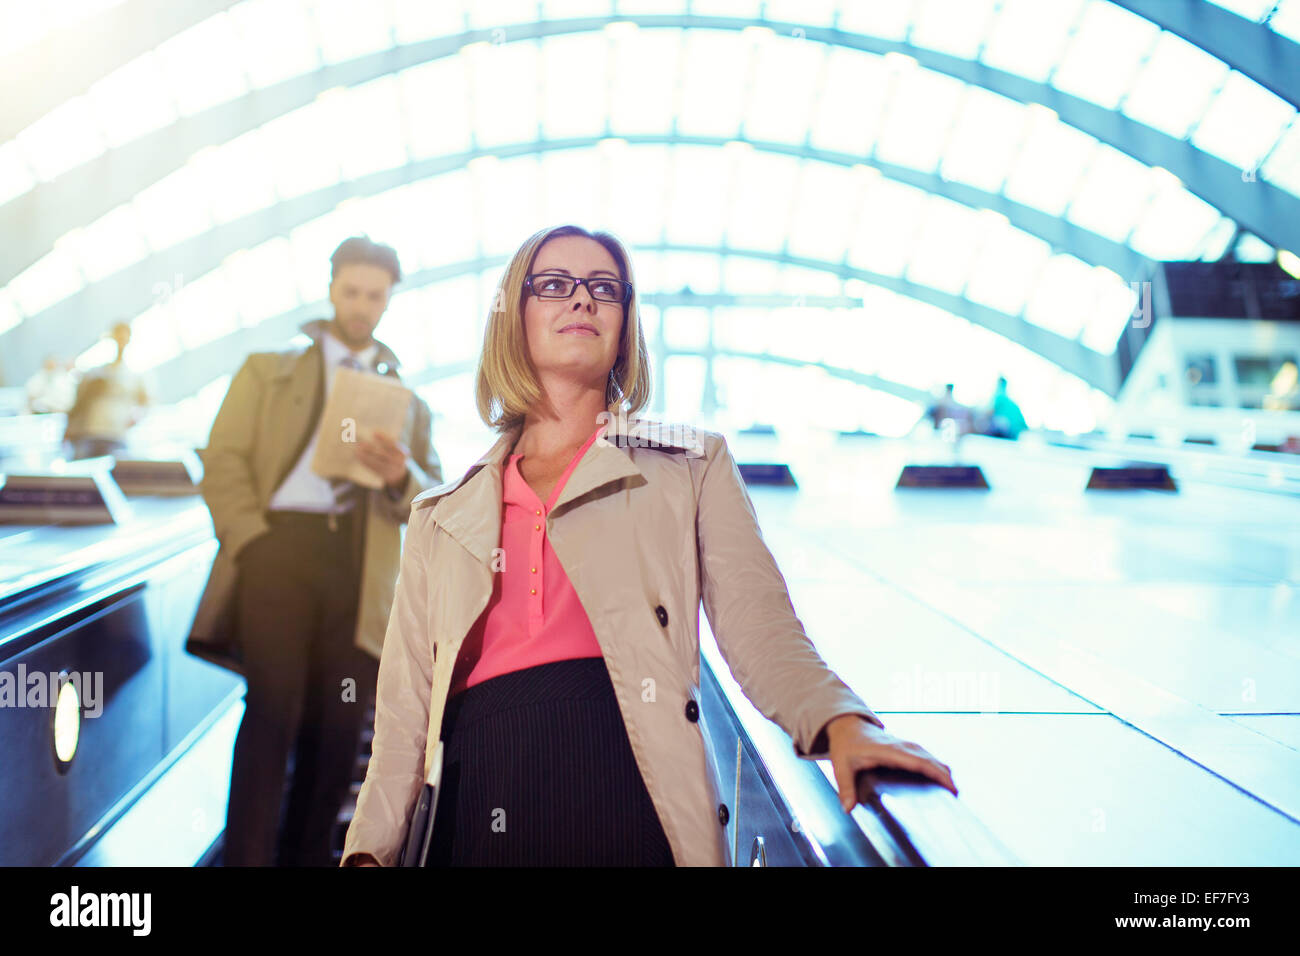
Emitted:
<point x="553" y="285"/>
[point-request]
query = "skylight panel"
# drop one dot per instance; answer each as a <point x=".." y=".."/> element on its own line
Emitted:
<point x="1103" y="57"/>
<point x="825" y="209"/>
<point x="1243" y="122"/>
<point x="638" y="104"/>
<point x="1113" y="302"/>
<point x="1112" y="193"/>
<point x="416" y="20"/>
<point x="637" y="177"/>
<point x="712" y="8"/>
<point x="500" y="13"/>
<point x="204" y="64"/>
<point x="985" y="140"/>
<point x="153" y="337"/>
<point x="132" y="101"/>
<point x="347" y="30"/>
<point x="697" y="271"/>
<point x="566" y="9"/>
<point x="1286" y="20"/>
<point x="795" y="280"/>
<point x="205" y="309"/>
<point x="801" y="11"/>
<point x="1174" y="224"/>
<point x="48" y="280"/>
<point x="277" y="39"/>
<point x="696" y="205"/>
<point x="733" y="328"/>
<point x="506" y="81"/>
<point x="947" y="244"/>
<point x="889" y="21"/>
<point x="952" y="26"/>
<point x="782" y="93"/>
<point x="713" y="82"/>
<point x="742" y="275"/>
<point x="847" y="115"/>
<point x="567" y="193"/>
<point x="298" y="164"/>
<point x="1174" y="87"/>
<point x="573" y="81"/>
<point x="371" y="113"/>
<point x="1028" y="36"/>
<point x="1062" y="298"/>
<point x="1216" y="241"/>
<point x="1050" y="163"/>
<point x="436" y="108"/>
<point x="62" y="139"/>
<point x="759" y="193"/>
<point x="686" y="327"/>
<point x="260" y="281"/>
<point x="887" y="227"/>
<point x="921" y="113"/>
<point x="509" y="197"/>
<point x="235" y="177"/>
<point x="1283" y="164"/>
<point x="1006" y="265"/>
<point x="110" y="243"/>
<point x="174" y="208"/>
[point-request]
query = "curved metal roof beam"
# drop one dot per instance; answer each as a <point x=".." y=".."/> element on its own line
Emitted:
<point x="192" y="369"/>
<point x="84" y="194"/>
<point x="1252" y="49"/>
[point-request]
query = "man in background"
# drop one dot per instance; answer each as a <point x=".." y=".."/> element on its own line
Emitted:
<point x="110" y="400"/>
<point x="300" y="592"/>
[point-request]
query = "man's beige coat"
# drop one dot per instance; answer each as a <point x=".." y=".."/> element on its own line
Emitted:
<point x="652" y="520"/>
<point x="268" y="416"/>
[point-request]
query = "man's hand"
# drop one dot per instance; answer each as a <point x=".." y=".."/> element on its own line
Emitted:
<point x="855" y="744"/>
<point x="385" y="457"/>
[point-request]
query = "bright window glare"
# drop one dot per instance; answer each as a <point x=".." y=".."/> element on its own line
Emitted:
<point x="858" y="215"/>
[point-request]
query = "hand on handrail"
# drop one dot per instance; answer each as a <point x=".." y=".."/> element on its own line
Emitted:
<point x="857" y="745"/>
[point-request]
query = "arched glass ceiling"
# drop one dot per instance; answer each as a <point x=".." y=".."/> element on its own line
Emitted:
<point x="759" y="140"/>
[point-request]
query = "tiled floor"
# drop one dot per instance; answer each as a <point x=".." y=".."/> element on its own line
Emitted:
<point x="1114" y="677"/>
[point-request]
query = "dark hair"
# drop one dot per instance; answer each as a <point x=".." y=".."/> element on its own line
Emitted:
<point x="359" y="249"/>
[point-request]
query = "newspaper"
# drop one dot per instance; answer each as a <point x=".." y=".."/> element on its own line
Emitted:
<point x="359" y="404"/>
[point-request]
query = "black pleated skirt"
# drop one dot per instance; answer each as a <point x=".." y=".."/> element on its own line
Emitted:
<point x="538" y="771"/>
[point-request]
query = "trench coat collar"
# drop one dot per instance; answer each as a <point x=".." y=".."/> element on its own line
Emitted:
<point x="469" y="509"/>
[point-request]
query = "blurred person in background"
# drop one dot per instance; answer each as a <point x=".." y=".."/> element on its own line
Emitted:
<point x="545" y="626"/>
<point x="53" y="388"/>
<point x="111" y="399"/>
<point x="947" y="408"/>
<point x="299" y="594"/>
<point x="1004" y="417"/>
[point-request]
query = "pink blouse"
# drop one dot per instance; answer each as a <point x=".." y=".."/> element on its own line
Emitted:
<point x="534" y="615"/>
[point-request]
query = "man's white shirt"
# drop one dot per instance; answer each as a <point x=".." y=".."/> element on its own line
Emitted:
<point x="303" y="489"/>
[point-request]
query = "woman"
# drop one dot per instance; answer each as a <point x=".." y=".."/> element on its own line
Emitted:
<point x="547" y="609"/>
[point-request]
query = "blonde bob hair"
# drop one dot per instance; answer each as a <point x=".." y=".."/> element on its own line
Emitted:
<point x="507" y="387"/>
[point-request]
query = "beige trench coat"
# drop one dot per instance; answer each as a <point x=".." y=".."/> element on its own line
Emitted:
<point x="269" y="414"/>
<point x="644" y="532"/>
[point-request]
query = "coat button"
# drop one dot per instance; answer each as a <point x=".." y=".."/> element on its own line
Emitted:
<point x="723" y="815"/>
<point x="662" y="615"/>
<point x="692" y="711"/>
